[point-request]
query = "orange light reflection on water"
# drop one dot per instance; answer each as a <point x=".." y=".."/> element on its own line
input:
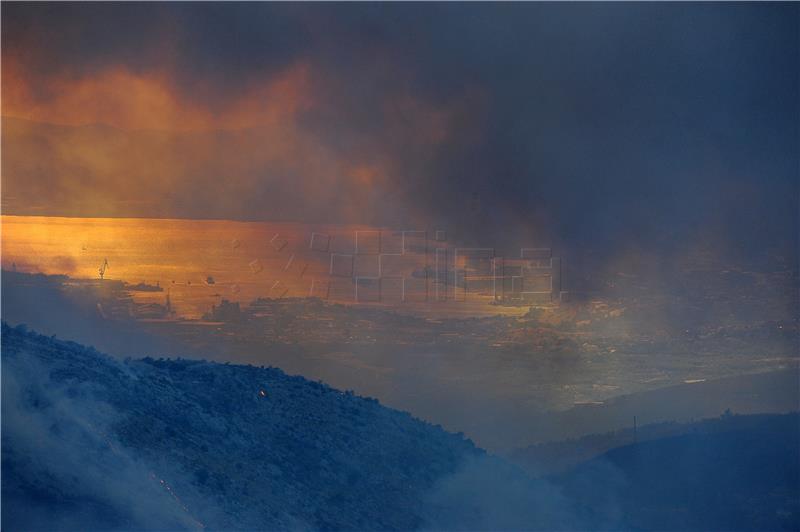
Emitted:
<point x="199" y="262"/>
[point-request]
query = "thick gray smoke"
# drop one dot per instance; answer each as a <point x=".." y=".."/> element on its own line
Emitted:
<point x="489" y="494"/>
<point x="63" y="469"/>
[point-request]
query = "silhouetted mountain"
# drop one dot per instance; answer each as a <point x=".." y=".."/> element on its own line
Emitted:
<point x="742" y="479"/>
<point x="756" y="393"/>
<point x="557" y="457"/>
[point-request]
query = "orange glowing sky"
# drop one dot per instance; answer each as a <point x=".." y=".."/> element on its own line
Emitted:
<point x="122" y="98"/>
<point x="119" y="142"/>
<point x="160" y="126"/>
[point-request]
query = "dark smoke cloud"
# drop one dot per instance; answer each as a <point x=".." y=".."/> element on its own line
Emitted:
<point x="63" y="469"/>
<point x="601" y="126"/>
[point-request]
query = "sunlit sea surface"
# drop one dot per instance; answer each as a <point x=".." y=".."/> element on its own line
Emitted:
<point x="200" y="262"/>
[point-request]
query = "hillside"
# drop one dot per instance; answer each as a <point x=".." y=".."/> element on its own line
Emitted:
<point x="557" y="457"/>
<point x="744" y="478"/>
<point x="92" y="442"/>
<point x="756" y="393"/>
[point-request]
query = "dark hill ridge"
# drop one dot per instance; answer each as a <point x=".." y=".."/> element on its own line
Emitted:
<point x="745" y="476"/>
<point x="227" y="446"/>
<point x="552" y="458"/>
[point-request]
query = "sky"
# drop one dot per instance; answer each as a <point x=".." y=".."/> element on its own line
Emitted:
<point x="602" y="126"/>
